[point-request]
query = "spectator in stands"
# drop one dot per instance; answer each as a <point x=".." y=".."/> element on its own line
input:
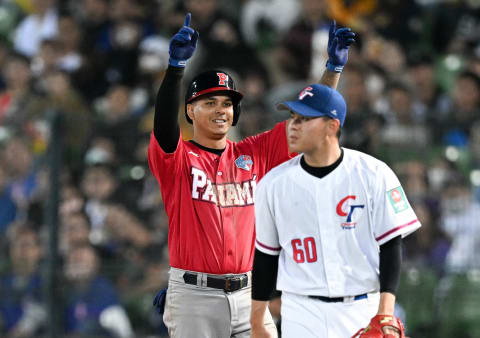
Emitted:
<point x="118" y="122"/>
<point x="98" y="184"/>
<point x="405" y="134"/>
<point x="294" y="56"/>
<point x="363" y="127"/>
<point x="425" y="87"/>
<point x="22" y="307"/>
<point x="61" y="96"/>
<point x="222" y="41"/>
<point x="22" y="173"/>
<point x="428" y="247"/>
<point x="74" y="231"/>
<point x="92" y="307"/>
<point x="8" y="209"/>
<point x="41" y="24"/>
<point x="17" y="95"/>
<point x="461" y="112"/>
<point x="69" y="39"/>
<point x="459" y="220"/>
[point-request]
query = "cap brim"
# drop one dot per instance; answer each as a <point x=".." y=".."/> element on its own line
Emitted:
<point x="299" y="108"/>
<point x="233" y="94"/>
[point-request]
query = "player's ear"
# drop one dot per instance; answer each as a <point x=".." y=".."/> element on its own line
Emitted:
<point x="333" y="126"/>
<point x="190" y="113"/>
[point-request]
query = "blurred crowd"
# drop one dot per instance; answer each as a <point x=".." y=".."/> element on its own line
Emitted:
<point x="412" y="86"/>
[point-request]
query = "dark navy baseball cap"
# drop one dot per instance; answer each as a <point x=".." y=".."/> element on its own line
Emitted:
<point x="318" y="100"/>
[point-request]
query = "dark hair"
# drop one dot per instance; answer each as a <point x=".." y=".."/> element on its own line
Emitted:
<point x="470" y="75"/>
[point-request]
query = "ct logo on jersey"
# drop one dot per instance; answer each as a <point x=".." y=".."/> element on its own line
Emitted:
<point x="347" y="209"/>
<point x="244" y="162"/>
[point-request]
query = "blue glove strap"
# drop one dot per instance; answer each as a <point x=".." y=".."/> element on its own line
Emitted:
<point x="177" y="63"/>
<point x="333" y="68"/>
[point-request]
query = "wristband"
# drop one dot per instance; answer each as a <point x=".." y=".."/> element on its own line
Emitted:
<point x="333" y="68"/>
<point x="177" y="63"/>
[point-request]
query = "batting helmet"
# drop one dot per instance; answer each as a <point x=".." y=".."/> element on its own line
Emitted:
<point x="214" y="81"/>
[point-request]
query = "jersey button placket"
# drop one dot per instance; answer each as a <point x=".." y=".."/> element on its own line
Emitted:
<point x="328" y="243"/>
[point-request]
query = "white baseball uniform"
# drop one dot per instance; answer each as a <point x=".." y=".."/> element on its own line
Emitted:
<point x="327" y="232"/>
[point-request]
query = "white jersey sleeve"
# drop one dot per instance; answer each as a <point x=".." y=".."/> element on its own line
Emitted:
<point x="266" y="230"/>
<point x="393" y="215"/>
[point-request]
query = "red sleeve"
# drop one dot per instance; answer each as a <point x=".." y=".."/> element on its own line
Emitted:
<point x="163" y="164"/>
<point x="271" y="147"/>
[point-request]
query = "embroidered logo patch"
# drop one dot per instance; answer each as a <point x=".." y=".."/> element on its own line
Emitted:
<point x="345" y="208"/>
<point x="397" y="199"/>
<point x="244" y="162"/>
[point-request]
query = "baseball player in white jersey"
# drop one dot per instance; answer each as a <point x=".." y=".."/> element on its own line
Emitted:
<point x="329" y="224"/>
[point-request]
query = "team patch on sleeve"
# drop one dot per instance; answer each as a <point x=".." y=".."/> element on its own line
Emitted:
<point x="397" y="199"/>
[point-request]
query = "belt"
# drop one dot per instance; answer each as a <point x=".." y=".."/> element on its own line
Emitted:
<point x="227" y="284"/>
<point x="339" y="299"/>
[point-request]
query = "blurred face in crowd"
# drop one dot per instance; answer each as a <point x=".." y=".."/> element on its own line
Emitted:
<point x="98" y="183"/>
<point x="25" y="251"/>
<point x="95" y="10"/>
<point x="314" y="10"/>
<point x="47" y="55"/>
<point x="400" y="104"/>
<point x="392" y="57"/>
<point x="81" y="264"/>
<point x="71" y="200"/>
<point x="456" y="198"/>
<point x="69" y="33"/>
<point x="40" y="6"/>
<point x="75" y="230"/>
<point x="17" y="157"/>
<point x="57" y="84"/>
<point x="3" y="178"/>
<point x="124" y="9"/>
<point x="118" y="102"/>
<point x="17" y="73"/>
<point x="423" y="75"/>
<point x="466" y="94"/>
<point x="201" y="9"/>
<point x="354" y="90"/>
<point x="102" y="150"/>
<point x="424" y="234"/>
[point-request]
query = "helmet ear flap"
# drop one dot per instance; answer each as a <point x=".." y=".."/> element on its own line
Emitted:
<point x="189" y="120"/>
<point x="237" y="109"/>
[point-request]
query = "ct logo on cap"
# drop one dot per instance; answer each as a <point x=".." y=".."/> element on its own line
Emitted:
<point x="305" y="92"/>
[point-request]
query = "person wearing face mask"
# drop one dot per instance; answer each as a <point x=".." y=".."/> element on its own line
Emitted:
<point x="91" y="302"/>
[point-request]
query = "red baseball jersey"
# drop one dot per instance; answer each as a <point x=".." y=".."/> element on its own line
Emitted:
<point x="209" y="199"/>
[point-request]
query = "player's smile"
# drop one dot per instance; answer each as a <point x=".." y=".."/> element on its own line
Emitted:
<point x="220" y="121"/>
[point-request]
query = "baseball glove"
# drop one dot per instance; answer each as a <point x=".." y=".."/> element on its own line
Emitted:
<point x="376" y="325"/>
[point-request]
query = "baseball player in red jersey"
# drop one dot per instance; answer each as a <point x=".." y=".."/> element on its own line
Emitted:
<point x="208" y="188"/>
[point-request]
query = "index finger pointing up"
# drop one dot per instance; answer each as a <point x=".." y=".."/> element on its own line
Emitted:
<point x="188" y="17"/>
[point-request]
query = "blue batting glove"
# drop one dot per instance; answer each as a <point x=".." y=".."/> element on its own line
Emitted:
<point x="159" y="301"/>
<point x="183" y="44"/>
<point x="339" y="41"/>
